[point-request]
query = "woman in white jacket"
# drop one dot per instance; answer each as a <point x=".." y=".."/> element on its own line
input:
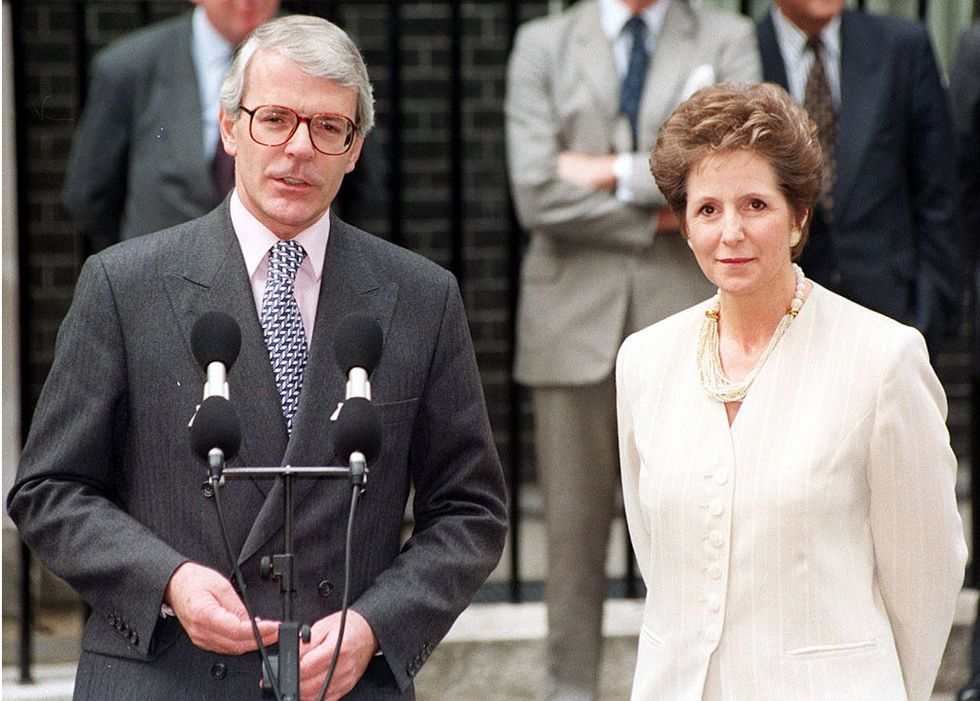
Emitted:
<point x="788" y="479"/>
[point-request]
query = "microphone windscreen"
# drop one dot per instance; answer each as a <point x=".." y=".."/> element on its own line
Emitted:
<point x="216" y="426"/>
<point x="358" y="429"/>
<point x="216" y="337"/>
<point x="357" y="343"/>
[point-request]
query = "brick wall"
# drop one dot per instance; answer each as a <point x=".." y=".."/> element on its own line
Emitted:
<point x="50" y="95"/>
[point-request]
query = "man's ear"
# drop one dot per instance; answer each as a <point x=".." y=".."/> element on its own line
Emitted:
<point x="227" y="129"/>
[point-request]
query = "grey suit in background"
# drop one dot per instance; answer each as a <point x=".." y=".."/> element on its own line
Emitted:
<point x="593" y="272"/>
<point x="137" y="162"/>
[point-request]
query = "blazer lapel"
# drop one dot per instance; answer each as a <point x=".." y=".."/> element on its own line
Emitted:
<point x="349" y="285"/>
<point x="773" y="68"/>
<point x="212" y="276"/>
<point x="862" y="93"/>
<point x="594" y="61"/>
<point x="671" y="66"/>
<point x="186" y="133"/>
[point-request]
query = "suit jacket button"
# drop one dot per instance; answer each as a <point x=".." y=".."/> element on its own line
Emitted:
<point x="219" y="670"/>
<point x="324" y="589"/>
<point x="207" y="489"/>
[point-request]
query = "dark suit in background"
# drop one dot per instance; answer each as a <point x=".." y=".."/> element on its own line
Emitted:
<point x="894" y="244"/>
<point x="111" y="497"/>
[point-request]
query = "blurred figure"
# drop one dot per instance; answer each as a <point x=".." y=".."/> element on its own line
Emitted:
<point x="788" y="479"/>
<point x="884" y="232"/>
<point x="964" y="89"/>
<point x="147" y="154"/>
<point x="587" y="90"/>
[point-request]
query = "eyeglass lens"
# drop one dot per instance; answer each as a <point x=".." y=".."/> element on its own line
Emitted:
<point x="273" y="126"/>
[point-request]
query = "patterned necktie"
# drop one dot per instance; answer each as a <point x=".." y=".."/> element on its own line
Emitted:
<point x="819" y="103"/>
<point x="282" y="325"/>
<point x="636" y="71"/>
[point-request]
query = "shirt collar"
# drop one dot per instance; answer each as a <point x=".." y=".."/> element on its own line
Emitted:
<point x="613" y="16"/>
<point x="791" y="37"/>
<point x="255" y="239"/>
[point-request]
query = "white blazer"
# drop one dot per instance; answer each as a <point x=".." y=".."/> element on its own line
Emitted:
<point x="811" y="551"/>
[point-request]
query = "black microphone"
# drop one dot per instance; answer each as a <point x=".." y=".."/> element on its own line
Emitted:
<point x="215" y="341"/>
<point x="215" y="432"/>
<point x="358" y="434"/>
<point x="357" y="346"/>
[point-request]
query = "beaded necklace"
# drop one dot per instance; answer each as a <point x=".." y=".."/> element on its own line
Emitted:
<point x="713" y="378"/>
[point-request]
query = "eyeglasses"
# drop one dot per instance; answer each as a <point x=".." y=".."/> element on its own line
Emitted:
<point x="273" y="125"/>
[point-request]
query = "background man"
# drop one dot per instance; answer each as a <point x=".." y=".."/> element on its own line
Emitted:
<point x="147" y="154"/>
<point x="109" y="494"/>
<point x="587" y="91"/>
<point x="885" y="232"/>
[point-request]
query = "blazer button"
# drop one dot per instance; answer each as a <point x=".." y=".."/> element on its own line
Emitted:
<point x="207" y="490"/>
<point x="324" y="589"/>
<point x="219" y="670"/>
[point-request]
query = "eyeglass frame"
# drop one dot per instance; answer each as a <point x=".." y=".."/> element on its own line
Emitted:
<point x="299" y="120"/>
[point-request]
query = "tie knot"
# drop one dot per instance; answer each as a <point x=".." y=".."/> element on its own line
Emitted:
<point x="815" y="44"/>
<point x="285" y="259"/>
<point x="637" y="28"/>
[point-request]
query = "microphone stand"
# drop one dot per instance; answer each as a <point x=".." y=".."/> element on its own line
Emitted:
<point x="282" y="566"/>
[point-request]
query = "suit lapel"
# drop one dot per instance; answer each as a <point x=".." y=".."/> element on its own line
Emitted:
<point x="862" y="94"/>
<point x="178" y="76"/>
<point x="773" y="68"/>
<point x="349" y="285"/>
<point x="594" y="61"/>
<point x="671" y="65"/>
<point x="212" y="276"/>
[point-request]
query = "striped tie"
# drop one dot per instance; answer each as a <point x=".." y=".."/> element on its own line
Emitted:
<point x="282" y="325"/>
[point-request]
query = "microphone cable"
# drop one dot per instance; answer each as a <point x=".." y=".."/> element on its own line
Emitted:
<point x="240" y="580"/>
<point x="355" y="496"/>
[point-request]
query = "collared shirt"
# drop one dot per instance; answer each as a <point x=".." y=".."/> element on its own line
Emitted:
<point x="798" y="59"/>
<point x="212" y="56"/>
<point x="256" y="241"/>
<point x="613" y="16"/>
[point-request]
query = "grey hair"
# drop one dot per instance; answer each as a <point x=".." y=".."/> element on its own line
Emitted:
<point x="319" y="47"/>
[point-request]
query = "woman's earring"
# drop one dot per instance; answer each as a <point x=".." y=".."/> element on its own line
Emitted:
<point x="795" y="237"/>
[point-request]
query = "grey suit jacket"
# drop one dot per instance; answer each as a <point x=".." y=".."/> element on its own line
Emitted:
<point x="137" y="162"/>
<point x="589" y="259"/>
<point x="109" y="494"/>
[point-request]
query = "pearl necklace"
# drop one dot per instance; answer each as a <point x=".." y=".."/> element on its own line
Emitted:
<point x="713" y="378"/>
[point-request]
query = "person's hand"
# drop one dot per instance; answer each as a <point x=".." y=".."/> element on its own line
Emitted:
<point x="667" y="221"/>
<point x="209" y="609"/>
<point x="592" y="172"/>
<point x="356" y="651"/>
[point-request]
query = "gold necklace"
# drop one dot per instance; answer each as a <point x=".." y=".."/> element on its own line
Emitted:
<point x="713" y="378"/>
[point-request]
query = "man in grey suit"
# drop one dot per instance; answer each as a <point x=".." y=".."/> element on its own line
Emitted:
<point x="146" y="154"/>
<point x="587" y="92"/>
<point x="109" y="494"/>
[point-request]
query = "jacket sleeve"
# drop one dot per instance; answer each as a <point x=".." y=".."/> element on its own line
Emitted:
<point x="459" y="507"/>
<point x="65" y="500"/>
<point x="920" y="552"/>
